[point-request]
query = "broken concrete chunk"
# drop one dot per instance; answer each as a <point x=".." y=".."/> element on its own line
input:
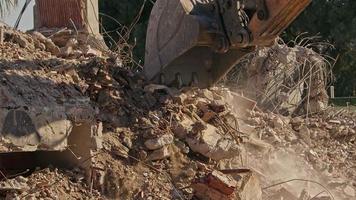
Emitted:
<point x="304" y="134"/>
<point x="20" y="40"/>
<point x="182" y="127"/>
<point x="180" y="98"/>
<point x="207" y="116"/>
<point x="70" y="48"/>
<point x="120" y="150"/>
<point x="160" y="154"/>
<point x="273" y="135"/>
<point x="249" y="187"/>
<point x="335" y="122"/>
<point x="245" y="105"/>
<point x="297" y="121"/>
<point x="181" y="146"/>
<point x="154" y="87"/>
<point x="49" y="44"/>
<point x="127" y="142"/>
<point x="218" y="106"/>
<point x="335" y="183"/>
<point x="72" y="42"/>
<point x="97" y="143"/>
<point x="142" y="155"/>
<point x="277" y="122"/>
<point x="349" y="191"/>
<point x="89" y="51"/>
<point x="39" y="45"/>
<point x="202" y="105"/>
<point x="215" y="186"/>
<point x="198" y="127"/>
<point x="328" y="126"/>
<point x="290" y="136"/>
<point x="66" y="51"/>
<point x="304" y="195"/>
<point x="12" y="185"/>
<point x="156" y="143"/>
<point x="259" y="145"/>
<point x="221" y="182"/>
<point x="205" y="93"/>
<point x="204" y="192"/>
<point x="213" y="145"/>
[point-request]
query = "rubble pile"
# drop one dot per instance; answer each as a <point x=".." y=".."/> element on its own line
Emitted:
<point x="322" y="144"/>
<point x="59" y="43"/>
<point x="313" y="134"/>
<point x="182" y="133"/>
<point x="284" y="79"/>
<point x="49" y="184"/>
<point x="160" y="143"/>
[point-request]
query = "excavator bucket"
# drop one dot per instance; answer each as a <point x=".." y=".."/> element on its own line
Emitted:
<point x="196" y="42"/>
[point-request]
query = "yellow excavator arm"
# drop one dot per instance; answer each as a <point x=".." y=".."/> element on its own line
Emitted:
<point x="196" y="42"/>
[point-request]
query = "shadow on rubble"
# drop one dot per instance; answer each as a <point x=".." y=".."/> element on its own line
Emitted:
<point x="49" y="110"/>
<point x="44" y="119"/>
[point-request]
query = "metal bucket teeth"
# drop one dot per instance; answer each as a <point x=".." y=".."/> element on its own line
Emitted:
<point x="181" y="39"/>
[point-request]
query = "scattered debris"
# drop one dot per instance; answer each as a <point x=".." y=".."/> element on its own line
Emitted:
<point x="154" y="142"/>
<point x="284" y="79"/>
<point x="350" y="191"/>
<point x="212" y="144"/>
<point x="159" y="154"/>
<point x="157" y="143"/>
<point x="217" y="185"/>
